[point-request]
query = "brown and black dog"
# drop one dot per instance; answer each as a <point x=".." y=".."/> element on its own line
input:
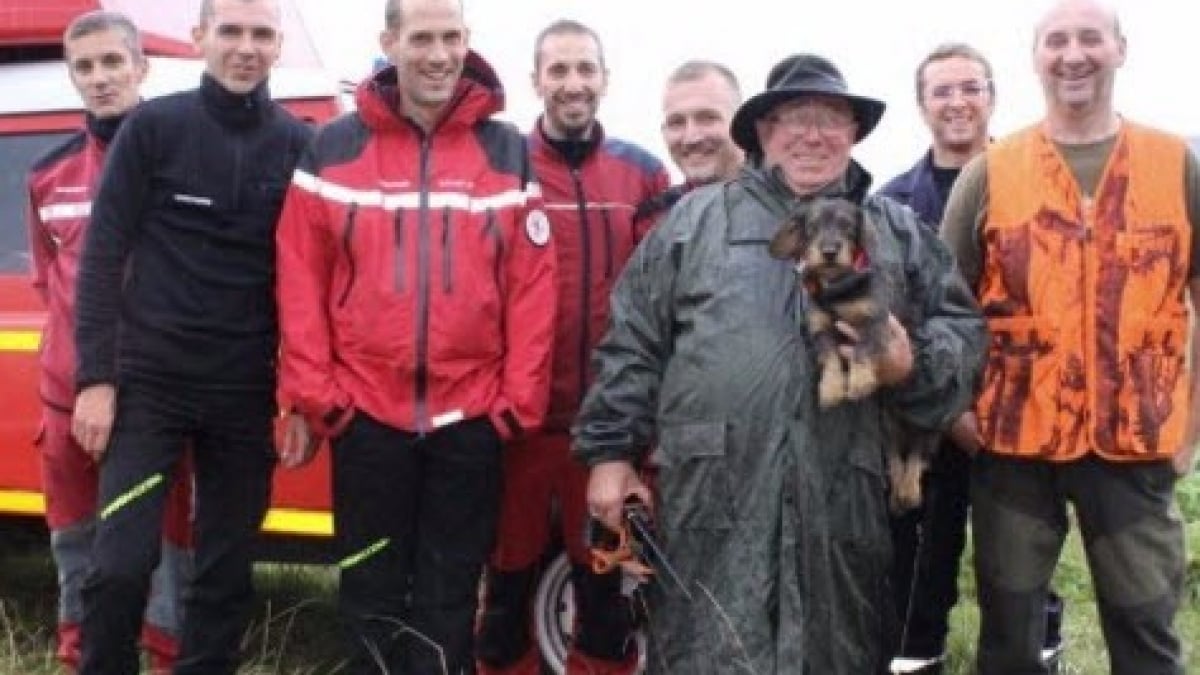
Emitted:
<point x="833" y="243"/>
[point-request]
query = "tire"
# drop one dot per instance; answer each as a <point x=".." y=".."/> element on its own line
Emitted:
<point x="554" y="617"/>
<point x="554" y="614"/>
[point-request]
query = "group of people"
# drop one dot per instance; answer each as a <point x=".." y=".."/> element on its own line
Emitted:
<point x="499" y="333"/>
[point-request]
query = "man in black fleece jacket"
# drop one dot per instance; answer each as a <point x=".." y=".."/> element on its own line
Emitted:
<point x="176" y="338"/>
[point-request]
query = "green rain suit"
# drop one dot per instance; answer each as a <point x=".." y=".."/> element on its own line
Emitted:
<point x="773" y="512"/>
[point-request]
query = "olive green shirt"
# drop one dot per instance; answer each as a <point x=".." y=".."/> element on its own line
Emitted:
<point x="966" y="210"/>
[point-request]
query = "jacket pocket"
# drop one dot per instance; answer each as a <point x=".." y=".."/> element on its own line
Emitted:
<point x="694" y="482"/>
<point x="1022" y="392"/>
<point x="1153" y="393"/>
<point x="348" y="250"/>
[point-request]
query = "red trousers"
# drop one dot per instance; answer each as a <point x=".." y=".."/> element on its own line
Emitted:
<point x="539" y="472"/>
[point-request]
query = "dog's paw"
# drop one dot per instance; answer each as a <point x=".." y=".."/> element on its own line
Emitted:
<point x="905" y="478"/>
<point x="832" y="388"/>
<point x="861" y="382"/>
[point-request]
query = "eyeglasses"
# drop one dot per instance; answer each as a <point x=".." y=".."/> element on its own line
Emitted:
<point x="970" y="89"/>
<point x="824" y="120"/>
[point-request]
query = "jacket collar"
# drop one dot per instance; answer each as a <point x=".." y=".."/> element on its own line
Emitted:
<point x="773" y="192"/>
<point x="103" y="129"/>
<point x="571" y="153"/>
<point x="477" y="96"/>
<point x="237" y="111"/>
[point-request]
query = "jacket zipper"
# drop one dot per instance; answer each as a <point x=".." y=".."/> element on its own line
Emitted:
<point x="348" y="248"/>
<point x="497" y="262"/>
<point x="447" y="253"/>
<point x="422" y="368"/>
<point x="608" y="244"/>
<point x="398" y="235"/>
<point x="585" y="245"/>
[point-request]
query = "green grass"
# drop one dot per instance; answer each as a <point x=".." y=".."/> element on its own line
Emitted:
<point x="294" y="629"/>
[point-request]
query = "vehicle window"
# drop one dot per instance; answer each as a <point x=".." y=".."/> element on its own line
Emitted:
<point x="17" y="153"/>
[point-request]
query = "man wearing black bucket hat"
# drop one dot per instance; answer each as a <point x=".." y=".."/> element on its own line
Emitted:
<point x="772" y="514"/>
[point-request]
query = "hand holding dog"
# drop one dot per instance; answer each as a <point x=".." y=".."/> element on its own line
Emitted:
<point x="964" y="433"/>
<point x="609" y="485"/>
<point x="895" y="363"/>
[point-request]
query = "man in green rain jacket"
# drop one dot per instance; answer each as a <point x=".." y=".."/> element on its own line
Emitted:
<point x="773" y="513"/>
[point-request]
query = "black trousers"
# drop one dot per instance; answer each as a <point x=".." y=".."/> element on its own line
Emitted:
<point x="414" y="519"/>
<point x="928" y="544"/>
<point x="229" y="436"/>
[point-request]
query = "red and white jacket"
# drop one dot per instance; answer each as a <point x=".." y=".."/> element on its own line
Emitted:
<point x="591" y="208"/>
<point x="61" y="186"/>
<point x="416" y="271"/>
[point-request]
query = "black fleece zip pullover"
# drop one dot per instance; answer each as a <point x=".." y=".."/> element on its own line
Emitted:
<point x="176" y="283"/>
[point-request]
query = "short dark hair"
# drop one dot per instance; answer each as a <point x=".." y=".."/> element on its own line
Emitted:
<point x="950" y="50"/>
<point x="207" y="9"/>
<point x="102" y="20"/>
<point x="565" y="27"/>
<point x="393" y="12"/>
<point x="695" y="69"/>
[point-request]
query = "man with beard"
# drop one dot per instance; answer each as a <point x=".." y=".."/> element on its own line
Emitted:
<point x="1078" y="234"/>
<point x="107" y="66"/>
<point x="592" y="185"/>
<point x="699" y="101"/>
<point x="177" y="340"/>
<point x="956" y="95"/>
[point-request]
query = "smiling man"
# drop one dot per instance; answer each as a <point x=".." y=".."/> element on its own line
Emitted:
<point x="417" y="298"/>
<point x="1078" y="235"/>
<point x="592" y="184"/>
<point x="177" y="339"/>
<point x="699" y="101"/>
<point x="773" y="511"/>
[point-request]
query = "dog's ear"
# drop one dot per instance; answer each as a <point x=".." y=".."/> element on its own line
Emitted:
<point x="789" y="240"/>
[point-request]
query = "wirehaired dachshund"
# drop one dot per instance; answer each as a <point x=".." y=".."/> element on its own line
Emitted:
<point x="833" y="245"/>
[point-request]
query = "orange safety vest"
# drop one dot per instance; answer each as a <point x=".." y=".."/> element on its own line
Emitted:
<point x="1084" y="299"/>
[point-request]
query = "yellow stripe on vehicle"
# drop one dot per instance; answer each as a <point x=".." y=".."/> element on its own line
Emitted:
<point x="278" y="521"/>
<point x="296" y="521"/>
<point x="22" y="502"/>
<point x="20" y="340"/>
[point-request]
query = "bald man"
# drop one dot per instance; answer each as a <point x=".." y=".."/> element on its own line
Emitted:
<point x="1078" y="235"/>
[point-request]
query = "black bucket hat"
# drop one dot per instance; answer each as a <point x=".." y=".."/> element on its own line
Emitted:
<point x="794" y="76"/>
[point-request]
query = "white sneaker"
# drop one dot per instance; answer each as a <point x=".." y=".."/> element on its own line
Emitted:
<point x="1051" y="656"/>
<point x="906" y="665"/>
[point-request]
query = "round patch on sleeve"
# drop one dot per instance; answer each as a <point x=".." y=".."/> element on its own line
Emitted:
<point x="537" y="228"/>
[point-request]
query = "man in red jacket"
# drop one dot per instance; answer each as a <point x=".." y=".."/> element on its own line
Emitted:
<point x="416" y="295"/>
<point x="592" y="185"/>
<point x="106" y="65"/>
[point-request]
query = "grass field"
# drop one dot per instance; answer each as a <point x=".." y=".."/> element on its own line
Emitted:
<point x="294" y="631"/>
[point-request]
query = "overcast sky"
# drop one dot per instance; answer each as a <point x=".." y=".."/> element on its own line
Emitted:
<point x="876" y="43"/>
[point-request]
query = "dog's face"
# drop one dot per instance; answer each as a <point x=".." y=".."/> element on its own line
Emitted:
<point x="826" y="241"/>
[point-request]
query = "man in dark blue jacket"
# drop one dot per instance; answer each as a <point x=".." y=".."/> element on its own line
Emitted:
<point x="956" y="95"/>
<point x="176" y="339"/>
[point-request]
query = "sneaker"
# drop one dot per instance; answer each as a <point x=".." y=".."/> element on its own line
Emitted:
<point x="1052" y="648"/>
<point x="1052" y="656"/>
<point x="910" y="665"/>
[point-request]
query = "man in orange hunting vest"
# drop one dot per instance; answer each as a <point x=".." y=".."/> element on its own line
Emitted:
<point x="1077" y="234"/>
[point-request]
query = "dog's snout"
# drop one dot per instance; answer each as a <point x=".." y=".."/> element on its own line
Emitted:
<point x="830" y="250"/>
